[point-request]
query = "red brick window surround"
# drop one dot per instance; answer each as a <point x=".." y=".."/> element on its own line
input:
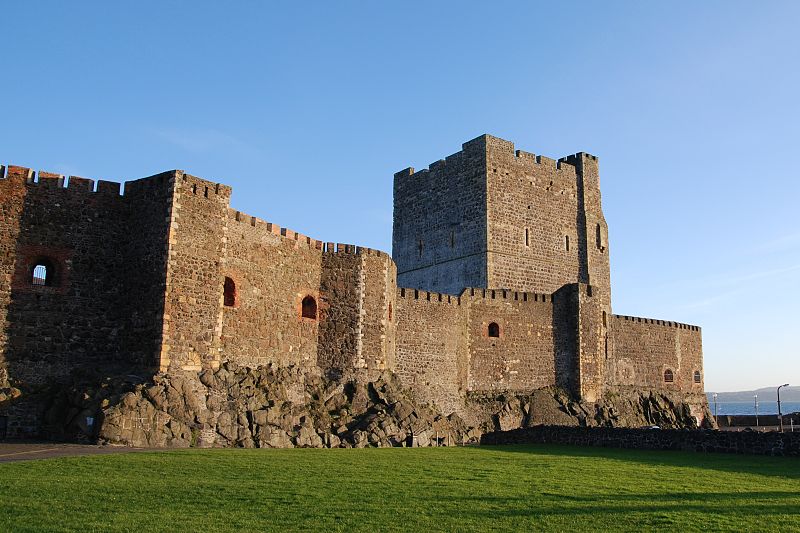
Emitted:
<point x="669" y="377"/>
<point x="493" y="330"/>
<point x="308" y="308"/>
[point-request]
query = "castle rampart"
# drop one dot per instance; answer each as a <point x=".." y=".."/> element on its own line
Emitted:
<point x="499" y="283"/>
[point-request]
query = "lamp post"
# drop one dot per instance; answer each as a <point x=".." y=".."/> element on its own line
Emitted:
<point x="715" y="409"/>
<point x="755" y="399"/>
<point x="780" y="415"/>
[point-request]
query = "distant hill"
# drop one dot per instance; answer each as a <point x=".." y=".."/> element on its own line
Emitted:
<point x="767" y="394"/>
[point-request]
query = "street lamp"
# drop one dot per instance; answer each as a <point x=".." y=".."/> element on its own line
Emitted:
<point x="780" y="415"/>
<point x="755" y="398"/>
<point x="715" y="409"/>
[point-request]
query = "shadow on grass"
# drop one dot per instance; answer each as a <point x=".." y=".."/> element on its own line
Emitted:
<point x="720" y="504"/>
<point x="786" y="467"/>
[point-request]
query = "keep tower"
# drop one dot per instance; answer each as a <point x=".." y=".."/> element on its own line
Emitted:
<point x="491" y="216"/>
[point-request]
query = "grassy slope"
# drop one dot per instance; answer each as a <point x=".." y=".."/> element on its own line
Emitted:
<point x="502" y="488"/>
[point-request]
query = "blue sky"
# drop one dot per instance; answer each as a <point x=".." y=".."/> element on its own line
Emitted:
<point x="308" y="109"/>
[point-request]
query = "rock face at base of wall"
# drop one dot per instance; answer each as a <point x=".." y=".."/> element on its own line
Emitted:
<point x="270" y="407"/>
<point x="617" y="408"/>
<point x="281" y="407"/>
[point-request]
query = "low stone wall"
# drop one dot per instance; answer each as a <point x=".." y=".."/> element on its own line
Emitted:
<point x="737" y="421"/>
<point x="744" y="442"/>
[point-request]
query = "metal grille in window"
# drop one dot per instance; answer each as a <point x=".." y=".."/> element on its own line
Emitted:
<point x="39" y="275"/>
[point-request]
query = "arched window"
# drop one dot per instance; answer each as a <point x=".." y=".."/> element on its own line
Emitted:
<point x="229" y="292"/>
<point x="39" y="275"/>
<point x="669" y="377"/>
<point x="697" y="376"/>
<point x="493" y="330"/>
<point x="43" y="273"/>
<point x="309" y="307"/>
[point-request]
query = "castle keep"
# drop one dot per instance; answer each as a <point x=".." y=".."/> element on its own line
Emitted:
<point x="498" y="281"/>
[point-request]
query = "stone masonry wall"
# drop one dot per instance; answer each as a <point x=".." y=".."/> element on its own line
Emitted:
<point x="739" y="442"/>
<point x="642" y="349"/>
<point x="540" y="196"/>
<point x="79" y="317"/>
<point x="12" y="199"/>
<point x="538" y="211"/>
<point x="439" y="235"/>
<point x="193" y="300"/>
<point x="378" y="323"/>
<point x="341" y="294"/>
<point x="432" y="346"/>
<point x="273" y="270"/>
<point x="522" y="357"/>
<point x="145" y="234"/>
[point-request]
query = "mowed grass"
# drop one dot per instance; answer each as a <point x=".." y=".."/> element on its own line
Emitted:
<point x="555" y="488"/>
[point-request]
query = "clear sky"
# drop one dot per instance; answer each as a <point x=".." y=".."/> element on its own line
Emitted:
<point x="308" y="108"/>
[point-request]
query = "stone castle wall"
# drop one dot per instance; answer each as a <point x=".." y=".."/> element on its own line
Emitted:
<point x="167" y="276"/>
<point x="439" y="234"/>
<point x="105" y="254"/>
<point x="644" y="349"/>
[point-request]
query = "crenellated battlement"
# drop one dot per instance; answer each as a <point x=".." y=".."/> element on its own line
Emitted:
<point x="488" y="144"/>
<point x="474" y="294"/>
<point x="298" y="239"/>
<point x="505" y="294"/>
<point x="437" y="297"/>
<point x="656" y="322"/>
<point x="54" y="181"/>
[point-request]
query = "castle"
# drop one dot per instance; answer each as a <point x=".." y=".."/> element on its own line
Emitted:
<point x="499" y="281"/>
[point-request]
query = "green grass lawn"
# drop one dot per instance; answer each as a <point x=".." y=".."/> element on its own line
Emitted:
<point x="455" y="489"/>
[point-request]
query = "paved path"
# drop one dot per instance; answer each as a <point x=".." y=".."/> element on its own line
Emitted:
<point x="29" y="451"/>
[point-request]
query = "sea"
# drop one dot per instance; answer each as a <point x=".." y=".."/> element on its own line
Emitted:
<point x="748" y="408"/>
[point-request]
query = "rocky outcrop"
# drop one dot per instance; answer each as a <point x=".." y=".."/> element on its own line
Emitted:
<point x="275" y="407"/>
<point x="282" y="407"/>
<point x="618" y="408"/>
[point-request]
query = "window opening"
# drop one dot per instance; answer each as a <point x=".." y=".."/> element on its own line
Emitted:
<point x="493" y="330"/>
<point x="309" y="307"/>
<point x="599" y="238"/>
<point x="669" y="377"/>
<point x="527" y="237"/>
<point x="229" y="292"/>
<point x="697" y="376"/>
<point x="390" y="312"/>
<point x="40" y="275"/>
<point x="566" y="242"/>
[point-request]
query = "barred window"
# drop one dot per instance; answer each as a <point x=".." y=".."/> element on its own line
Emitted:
<point x="39" y="275"/>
